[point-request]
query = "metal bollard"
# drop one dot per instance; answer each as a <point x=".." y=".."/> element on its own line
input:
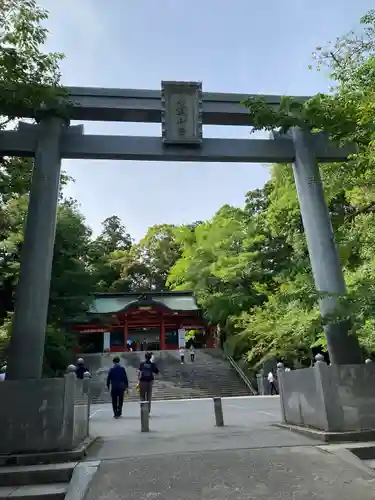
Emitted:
<point x="145" y="415"/>
<point x="218" y="408"/>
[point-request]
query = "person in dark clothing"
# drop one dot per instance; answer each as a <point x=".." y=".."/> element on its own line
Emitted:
<point x="117" y="381"/>
<point x="80" y="368"/>
<point x="146" y="375"/>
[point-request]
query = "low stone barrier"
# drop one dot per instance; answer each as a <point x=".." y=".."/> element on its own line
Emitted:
<point x="329" y="398"/>
<point x="43" y="415"/>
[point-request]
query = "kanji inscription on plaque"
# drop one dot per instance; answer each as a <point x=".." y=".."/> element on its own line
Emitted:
<point x="181" y="113"/>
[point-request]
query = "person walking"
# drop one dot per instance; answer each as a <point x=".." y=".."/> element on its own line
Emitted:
<point x="117" y="382"/>
<point x="182" y="355"/>
<point x="3" y="373"/>
<point x="80" y="368"/>
<point x="146" y="376"/>
<point x="272" y="383"/>
<point x="192" y="353"/>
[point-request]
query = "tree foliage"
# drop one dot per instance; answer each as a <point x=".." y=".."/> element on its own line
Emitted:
<point x="28" y="75"/>
<point x="250" y="268"/>
<point x="29" y="80"/>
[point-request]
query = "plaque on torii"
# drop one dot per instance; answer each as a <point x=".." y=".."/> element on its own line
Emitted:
<point x="181" y="114"/>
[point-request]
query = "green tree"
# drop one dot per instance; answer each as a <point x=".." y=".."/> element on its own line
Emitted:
<point x="29" y="79"/>
<point x="347" y="114"/>
<point x="255" y="279"/>
<point x="225" y="263"/>
<point x="158" y="251"/>
<point x="146" y="265"/>
<point x="28" y="75"/>
<point x="104" y="253"/>
<point x="113" y="237"/>
<point x="71" y="282"/>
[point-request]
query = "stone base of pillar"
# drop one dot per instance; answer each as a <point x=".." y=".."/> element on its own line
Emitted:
<point x="332" y="400"/>
<point x="330" y="437"/>
<point x="43" y="415"/>
<point x="48" y="457"/>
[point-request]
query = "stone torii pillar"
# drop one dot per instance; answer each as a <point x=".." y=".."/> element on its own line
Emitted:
<point x="329" y="279"/>
<point x="32" y="296"/>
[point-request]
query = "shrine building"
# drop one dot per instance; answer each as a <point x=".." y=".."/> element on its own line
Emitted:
<point x="119" y="322"/>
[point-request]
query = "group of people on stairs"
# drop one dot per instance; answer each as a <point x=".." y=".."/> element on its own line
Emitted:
<point x="118" y="382"/>
<point x="182" y="354"/>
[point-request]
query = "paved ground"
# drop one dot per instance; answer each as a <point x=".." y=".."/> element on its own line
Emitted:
<point x="181" y="426"/>
<point x="300" y="473"/>
<point x="185" y="457"/>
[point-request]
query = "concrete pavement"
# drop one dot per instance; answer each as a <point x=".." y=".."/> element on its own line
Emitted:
<point x="188" y="426"/>
<point x="299" y="473"/>
<point x="186" y="457"/>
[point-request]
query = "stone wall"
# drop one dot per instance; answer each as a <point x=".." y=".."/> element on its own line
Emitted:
<point x="329" y="398"/>
<point x="356" y="395"/>
<point x="42" y="415"/>
<point x="81" y="409"/>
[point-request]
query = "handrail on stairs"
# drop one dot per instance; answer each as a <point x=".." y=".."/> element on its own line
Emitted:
<point x="241" y="374"/>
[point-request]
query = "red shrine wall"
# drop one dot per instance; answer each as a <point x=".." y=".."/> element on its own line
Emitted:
<point x="142" y="330"/>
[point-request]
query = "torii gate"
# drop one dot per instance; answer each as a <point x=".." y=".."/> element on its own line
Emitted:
<point x="182" y="109"/>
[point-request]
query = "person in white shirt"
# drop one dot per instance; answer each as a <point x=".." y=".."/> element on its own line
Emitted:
<point x="192" y="353"/>
<point x="3" y="373"/>
<point x="182" y="355"/>
<point x="271" y="381"/>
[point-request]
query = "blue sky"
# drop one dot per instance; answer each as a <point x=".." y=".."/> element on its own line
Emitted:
<point x="245" y="46"/>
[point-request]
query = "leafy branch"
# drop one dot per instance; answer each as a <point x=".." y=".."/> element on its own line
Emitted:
<point x="29" y="77"/>
<point x="347" y="112"/>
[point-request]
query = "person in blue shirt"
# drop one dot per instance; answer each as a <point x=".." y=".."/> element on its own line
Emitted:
<point x="117" y="382"/>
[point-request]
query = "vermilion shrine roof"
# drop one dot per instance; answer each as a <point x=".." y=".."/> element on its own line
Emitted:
<point x="107" y="303"/>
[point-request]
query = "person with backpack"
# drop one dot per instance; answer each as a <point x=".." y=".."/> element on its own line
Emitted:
<point x="117" y="381"/>
<point x="146" y="376"/>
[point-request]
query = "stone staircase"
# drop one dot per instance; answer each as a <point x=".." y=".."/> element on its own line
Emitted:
<point x="36" y="482"/>
<point x="210" y="375"/>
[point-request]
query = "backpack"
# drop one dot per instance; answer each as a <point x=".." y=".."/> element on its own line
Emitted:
<point x="147" y="371"/>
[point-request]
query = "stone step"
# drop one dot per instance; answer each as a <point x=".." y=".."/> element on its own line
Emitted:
<point x="165" y="386"/>
<point x="20" y="475"/>
<point x="208" y="376"/>
<point x="55" y="491"/>
<point x="172" y="389"/>
<point x="200" y="388"/>
<point x="232" y="391"/>
<point x="197" y="379"/>
<point x="157" y="397"/>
